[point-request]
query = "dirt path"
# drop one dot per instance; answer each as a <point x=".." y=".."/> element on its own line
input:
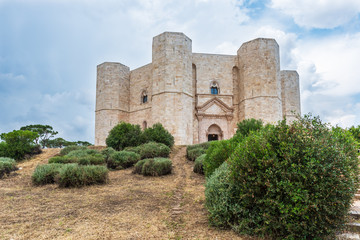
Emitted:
<point x="128" y="207"/>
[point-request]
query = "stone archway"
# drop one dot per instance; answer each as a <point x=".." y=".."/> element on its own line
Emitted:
<point x="214" y="132"/>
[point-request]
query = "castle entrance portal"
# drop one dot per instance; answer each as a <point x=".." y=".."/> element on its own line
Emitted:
<point x="214" y="133"/>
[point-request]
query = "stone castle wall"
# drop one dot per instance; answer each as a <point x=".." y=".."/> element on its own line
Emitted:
<point x="177" y="84"/>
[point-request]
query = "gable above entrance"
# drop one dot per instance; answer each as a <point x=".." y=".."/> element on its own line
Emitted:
<point x="215" y="108"/>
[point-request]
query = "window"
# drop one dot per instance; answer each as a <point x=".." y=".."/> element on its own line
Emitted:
<point x="144" y="97"/>
<point x="214" y="88"/>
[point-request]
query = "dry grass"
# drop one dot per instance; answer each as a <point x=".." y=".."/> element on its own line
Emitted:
<point x="130" y="206"/>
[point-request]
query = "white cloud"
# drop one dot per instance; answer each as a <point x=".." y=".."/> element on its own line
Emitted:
<point x="319" y="13"/>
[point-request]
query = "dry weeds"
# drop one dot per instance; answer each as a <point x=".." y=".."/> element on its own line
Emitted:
<point x="128" y="207"/>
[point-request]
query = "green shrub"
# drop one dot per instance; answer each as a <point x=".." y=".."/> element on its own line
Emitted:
<point x="195" y="153"/>
<point x="153" y="149"/>
<point x="220" y="201"/>
<point x="153" y="167"/>
<point x="133" y="149"/>
<point x="73" y="175"/>
<point x="199" y="167"/>
<point x="97" y="159"/>
<point x="204" y="145"/>
<point x="249" y="125"/>
<point x="139" y="166"/>
<point x="45" y="174"/>
<point x="82" y="153"/>
<point x="68" y="149"/>
<point x="107" y="153"/>
<point x="124" y="135"/>
<point x="63" y="159"/>
<point x="122" y="159"/>
<point x="218" y="152"/>
<point x="19" y="144"/>
<point x="288" y="182"/>
<point x="7" y="165"/>
<point x="157" y="133"/>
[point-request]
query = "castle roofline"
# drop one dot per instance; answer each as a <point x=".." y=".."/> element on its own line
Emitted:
<point x="172" y="33"/>
<point x="117" y="63"/>
<point x="215" y="54"/>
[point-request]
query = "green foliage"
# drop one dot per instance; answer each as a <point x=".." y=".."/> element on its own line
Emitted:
<point x="124" y="135"/>
<point x="220" y="198"/>
<point x="73" y="175"/>
<point x="204" y="145"/>
<point x="133" y="149"/>
<point x="355" y="131"/>
<point x="18" y="144"/>
<point x="81" y="156"/>
<point x="153" y="149"/>
<point x="56" y="143"/>
<point x="63" y="159"/>
<point x="122" y="159"/>
<point x="218" y="152"/>
<point x="195" y="153"/>
<point x="199" y="164"/>
<point x="287" y="182"/>
<point x="157" y="133"/>
<point x="249" y="125"/>
<point x="107" y="153"/>
<point x="7" y="165"/>
<point x="68" y="149"/>
<point x="45" y="132"/>
<point x="45" y="174"/>
<point x="153" y="167"/>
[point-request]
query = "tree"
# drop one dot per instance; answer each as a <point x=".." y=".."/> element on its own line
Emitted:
<point x="124" y="135"/>
<point x="45" y="132"/>
<point x="18" y="143"/>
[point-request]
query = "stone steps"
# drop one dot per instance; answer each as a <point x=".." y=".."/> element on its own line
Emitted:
<point x="353" y="227"/>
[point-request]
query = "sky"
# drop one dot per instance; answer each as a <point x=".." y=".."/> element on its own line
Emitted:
<point x="49" y="50"/>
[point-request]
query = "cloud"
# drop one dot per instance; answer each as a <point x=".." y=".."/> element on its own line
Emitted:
<point x="319" y="14"/>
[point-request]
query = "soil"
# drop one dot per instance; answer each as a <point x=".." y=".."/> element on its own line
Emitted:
<point x="129" y="206"/>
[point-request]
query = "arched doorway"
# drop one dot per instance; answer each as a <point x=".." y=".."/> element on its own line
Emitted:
<point x="214" y="133"/>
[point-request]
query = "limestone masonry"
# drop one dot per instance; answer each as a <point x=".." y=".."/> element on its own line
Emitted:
<point x="197" y="97"/>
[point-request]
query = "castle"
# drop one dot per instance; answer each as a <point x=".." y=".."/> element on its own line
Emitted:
<point x="197" y="97"/>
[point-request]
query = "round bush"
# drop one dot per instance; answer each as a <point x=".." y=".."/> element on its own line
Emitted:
<point x="195" y="153"/>
<point x="133" y="149"/>
<point x="73" y="175"/>
<point x="153" y="167"/>
<point x="198" y="166"/>
<point x="204" y="145"/>
<point x="157" y="133"/>
<point x="7" y="165"/>
<point x="97" y="159"/>
<point x="291" y="182"/>
<point x="153" y="149"/>
<point x="122" y="159"/>
<point x="45" y="174"/>
<point x="124" y="135"/>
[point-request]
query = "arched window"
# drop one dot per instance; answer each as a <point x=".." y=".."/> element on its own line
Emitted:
<point x="214" y="88"/>
<point x="144" y="97"/>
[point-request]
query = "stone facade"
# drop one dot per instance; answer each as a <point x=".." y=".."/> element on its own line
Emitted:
<point x="197" y="97"/>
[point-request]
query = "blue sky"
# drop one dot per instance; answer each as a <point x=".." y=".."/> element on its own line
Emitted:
<point x="49" y="51"/>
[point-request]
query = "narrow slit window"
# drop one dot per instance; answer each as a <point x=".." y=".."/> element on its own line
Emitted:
<point x="214" y="90"/>
<point x="144" y="97"/>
